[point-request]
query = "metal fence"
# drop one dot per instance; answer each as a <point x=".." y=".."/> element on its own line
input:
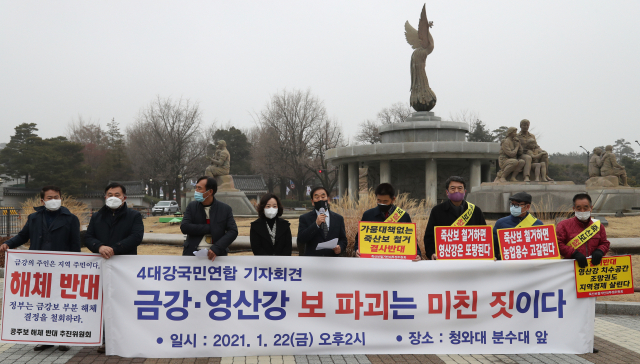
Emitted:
<point x="10" y="225"/>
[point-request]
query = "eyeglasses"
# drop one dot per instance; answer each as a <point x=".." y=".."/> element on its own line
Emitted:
<point x="522" y="204"/>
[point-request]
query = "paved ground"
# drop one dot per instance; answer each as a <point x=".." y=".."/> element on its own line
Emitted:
<point x="617" y="338"/>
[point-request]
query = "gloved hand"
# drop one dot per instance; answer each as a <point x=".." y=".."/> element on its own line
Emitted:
<point x="596" y="256"/>
<point x="581" y="259"/>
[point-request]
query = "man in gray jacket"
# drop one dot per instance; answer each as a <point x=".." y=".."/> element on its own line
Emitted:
<point x="207" y="222"/>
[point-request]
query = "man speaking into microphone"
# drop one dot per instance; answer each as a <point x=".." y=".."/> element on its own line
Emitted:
<point x="321" y="226"/>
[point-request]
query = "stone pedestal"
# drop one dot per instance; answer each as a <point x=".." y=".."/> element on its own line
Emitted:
<point x="233" y="197"/>
<point x="602" y="182"/>
<point x="226" y="183"/>
<point x="612" y="200"/>
<point x="493" y="198"/>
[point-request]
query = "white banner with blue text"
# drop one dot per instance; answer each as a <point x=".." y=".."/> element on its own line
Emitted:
<point x="52" y="298"/>
<point x="176" y="307"/>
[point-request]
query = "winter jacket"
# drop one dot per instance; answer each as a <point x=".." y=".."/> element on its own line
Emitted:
<point x="261" y="240"/>
<point x="569" y="228"/>
<point x="445" y="215"/>
<point x="62" y="235"/>
<point x="222" y="227"/>
<point x="121" y="229"/>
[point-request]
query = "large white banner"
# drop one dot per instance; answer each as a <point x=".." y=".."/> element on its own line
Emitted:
<point x="171" y="307"/>
<point x="52" y="298"/>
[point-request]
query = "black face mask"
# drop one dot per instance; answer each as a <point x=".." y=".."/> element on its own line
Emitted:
<point x="321" y="204"/>
<point x="384" y="208"/>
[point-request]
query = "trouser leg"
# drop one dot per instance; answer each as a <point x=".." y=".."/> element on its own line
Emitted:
<point x="526" y="172"/>
<point x="508" y="167"/>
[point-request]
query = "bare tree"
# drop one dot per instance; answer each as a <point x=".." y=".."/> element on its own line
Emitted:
<point x="469" y="117"/>
<point x="328" y="136"/>
<point x="86" y="131"/>
<point x="295" y="118"/>
<point x="173" y="140"/>
<point x="266" y="156"/>
<point x="395" y="113"/>
<point x="368" y="129"/>
<point x="368" y="133"/>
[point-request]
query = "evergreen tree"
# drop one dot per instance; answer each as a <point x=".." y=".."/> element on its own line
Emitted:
<point x="500" y="133"/>
<point x="59" y="162"/>
<point x="479" y="132"/>
<point x="239" y="148"/>
<point x="18" y="155"/>
<point x="116" y="165"/>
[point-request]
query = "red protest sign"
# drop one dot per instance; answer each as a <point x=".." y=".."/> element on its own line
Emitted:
<point x="464" y="242"/>
<point x="535" y="242"/>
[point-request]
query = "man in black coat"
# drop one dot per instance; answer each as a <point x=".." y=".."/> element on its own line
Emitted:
<point x="449" y="212"/>
<point x="207" y="222"/>
<point x="52" y="227"/>
<point x="321" y="225"/>
<point x="385" y="196"/>
<point x="115" y="229"/>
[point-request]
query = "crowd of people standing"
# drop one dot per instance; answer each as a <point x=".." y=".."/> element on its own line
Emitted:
<point x="209" y="224"/>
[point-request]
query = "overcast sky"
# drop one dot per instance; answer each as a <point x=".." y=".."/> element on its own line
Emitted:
<point x="571" y="67"/>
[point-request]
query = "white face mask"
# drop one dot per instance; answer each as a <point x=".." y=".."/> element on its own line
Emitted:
<point x="114" y="202"/>
<point x="53" y="205"/>
<point x="270" y="213"/>
<point x="583" y="216"/>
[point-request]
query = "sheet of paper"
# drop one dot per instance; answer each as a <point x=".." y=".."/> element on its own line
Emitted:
<point x="328" y="244"/>
<point x="201" y="253"/>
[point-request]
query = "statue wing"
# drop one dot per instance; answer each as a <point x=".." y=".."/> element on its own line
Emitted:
<point x="412" y="36"/>
<point x="426" y="40"/>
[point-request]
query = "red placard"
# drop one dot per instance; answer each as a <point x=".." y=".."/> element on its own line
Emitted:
<point x="464" y="242"/>
<point x="535" y="242"/>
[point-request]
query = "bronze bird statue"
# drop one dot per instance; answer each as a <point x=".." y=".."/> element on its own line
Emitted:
<point x="422" y="97"/>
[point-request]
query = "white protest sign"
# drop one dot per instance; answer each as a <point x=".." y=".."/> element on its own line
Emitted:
<point x="175" y="307"/>
<point x="52" y="298"/>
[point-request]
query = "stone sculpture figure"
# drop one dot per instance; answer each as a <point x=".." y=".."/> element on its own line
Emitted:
<point x="595" y="163"/>
<point x="532" y="153"/>
<point x="610" y="166"/>
<point x="220" y="162"/>
<point x="510" y="148"/>
<point x="422" y="97"/>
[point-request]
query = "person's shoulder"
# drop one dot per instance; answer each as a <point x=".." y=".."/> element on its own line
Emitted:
<point x="193" y="204"/>
<point x="335" y="214"/>
<point x="369" y="214"/>
<point x="308" y="215"/>
<point x="502" y="222"/>
<point x="68" y="213"/>
<point x="133" y="212"/>
<point x="222" y="205"/>
<point x="283" y="221"/>
<point x="439" y="207"/>
<point x="256" y="221"/>
<point x="564" y="223"/>
<point x="476" y="207"/>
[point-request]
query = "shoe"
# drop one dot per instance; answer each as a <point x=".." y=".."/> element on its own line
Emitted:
<point x="64" y="348"/>
<point x="595" y="351"/>
<point x="101" y="349"/>
<point x="42" y="347"/>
